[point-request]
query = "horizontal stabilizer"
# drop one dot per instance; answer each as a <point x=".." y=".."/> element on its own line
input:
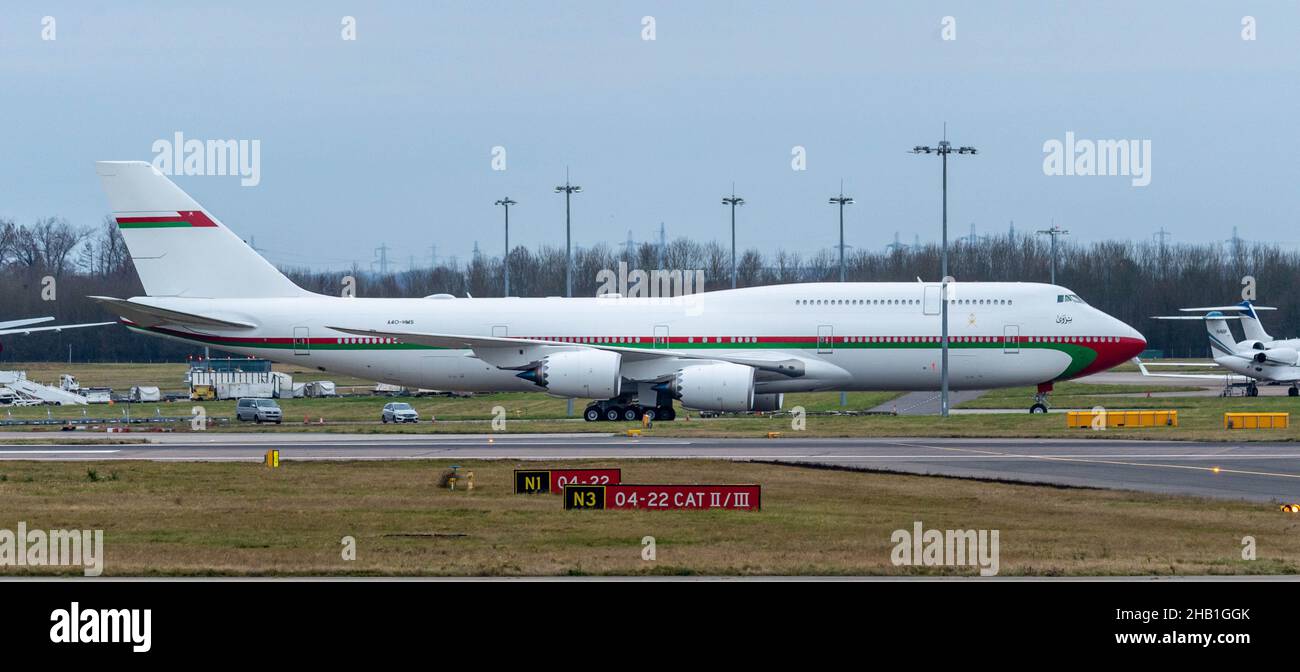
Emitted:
<point x="1199" y="318"/>
<point x="148" y="316"/>
<point x="1238" y="308"/>
<point x="58" y="327"/>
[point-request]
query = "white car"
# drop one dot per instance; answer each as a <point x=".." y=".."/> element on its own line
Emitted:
<point x="399" y="411"/>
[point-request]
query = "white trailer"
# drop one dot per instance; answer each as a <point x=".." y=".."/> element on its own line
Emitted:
<point x="259" y="390"/>
<point x="321" y="388"/>
<point x="97" y="395"/>
<point x="145" y="393"/>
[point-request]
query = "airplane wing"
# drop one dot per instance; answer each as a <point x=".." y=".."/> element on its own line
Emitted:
<point x="1221" y="377"/>
<point x="483" y="346"/>
<point x="22" y="323"/>
<point x="60" y="327"/>
<point x="147" y="316"/>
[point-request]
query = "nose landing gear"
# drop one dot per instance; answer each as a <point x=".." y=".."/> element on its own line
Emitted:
<point x="1040" y="399"/>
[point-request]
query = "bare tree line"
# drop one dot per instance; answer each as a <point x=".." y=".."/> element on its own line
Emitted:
<point x="1130" y="280"/>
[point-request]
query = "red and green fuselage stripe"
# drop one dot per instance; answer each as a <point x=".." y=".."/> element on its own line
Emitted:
<point x="1083" y="354"/>
<point x="185" y="219"/>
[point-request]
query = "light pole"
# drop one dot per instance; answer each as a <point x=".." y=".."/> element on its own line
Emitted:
<point x="1053" y="232"/>
<point x="842" y="201"/>
<point x="568" y="190"/>
<point x="943" y="150"/>
<point x="506" y="203"/>
<point x="733" y="201"/>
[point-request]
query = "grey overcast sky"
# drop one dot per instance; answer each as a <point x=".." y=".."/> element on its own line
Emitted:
<point x="388" y="138"/>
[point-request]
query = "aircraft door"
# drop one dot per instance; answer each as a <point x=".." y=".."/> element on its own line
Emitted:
<point x="1011" y="339"/>
<point x="301" y="341"/>
<point x="931" y="303"/>
<point x="825" y="339"/>
<point x="661" y="336"/>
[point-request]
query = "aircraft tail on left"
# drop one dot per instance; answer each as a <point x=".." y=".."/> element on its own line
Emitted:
<point x="179" y="249"/>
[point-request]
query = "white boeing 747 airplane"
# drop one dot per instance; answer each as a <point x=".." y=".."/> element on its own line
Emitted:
<point x="731" y="350"/>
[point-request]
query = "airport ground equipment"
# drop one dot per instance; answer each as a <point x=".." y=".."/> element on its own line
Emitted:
<point x="1256" y="420"/>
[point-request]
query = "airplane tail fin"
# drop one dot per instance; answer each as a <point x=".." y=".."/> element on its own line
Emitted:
<point x="1250" y="323"/>
<point x="178" y="248"/>
<point x="1222" y="342"/>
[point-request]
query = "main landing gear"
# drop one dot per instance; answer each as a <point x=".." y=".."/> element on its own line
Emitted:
<point x="1252" y="390"/>
<point x="1040" y="399"/>
<point x="1292" y="391"/>
<point x="626" y="410"/>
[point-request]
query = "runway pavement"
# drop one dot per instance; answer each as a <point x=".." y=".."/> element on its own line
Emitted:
<point x="1255" y="471"/>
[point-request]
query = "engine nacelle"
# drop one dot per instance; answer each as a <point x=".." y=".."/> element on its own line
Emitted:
<point x="592" y="374"/>
<point x="721" y="386"/>
<point x="768" y="402"/>
<point x="1284" y="356"/>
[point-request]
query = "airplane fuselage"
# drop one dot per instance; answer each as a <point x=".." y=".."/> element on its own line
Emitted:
<point x="855" y="336"/>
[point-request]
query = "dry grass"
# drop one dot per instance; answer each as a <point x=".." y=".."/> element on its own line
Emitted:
<point x="244" y="519"/>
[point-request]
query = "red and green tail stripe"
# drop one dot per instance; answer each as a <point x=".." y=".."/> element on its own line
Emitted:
<point x="184" y="219"/>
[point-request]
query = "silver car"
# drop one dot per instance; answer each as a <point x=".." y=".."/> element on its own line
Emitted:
<point x="399" y="411"/>
<point x="258" y="410"/>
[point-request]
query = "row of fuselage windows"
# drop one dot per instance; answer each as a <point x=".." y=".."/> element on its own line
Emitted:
<point x="841" y="339"/>
<point x="897" y="302"/>
<point x="980" y="339"/>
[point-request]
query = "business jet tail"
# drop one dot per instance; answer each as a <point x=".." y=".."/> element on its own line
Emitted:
<point x="179" y="249"/>
<point x="1250" y="323"/>
<point x="1222" y="341"/>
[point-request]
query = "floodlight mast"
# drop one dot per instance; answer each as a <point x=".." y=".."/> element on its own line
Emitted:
<point x="943" y="150"/>
<point x="733" y="200"/>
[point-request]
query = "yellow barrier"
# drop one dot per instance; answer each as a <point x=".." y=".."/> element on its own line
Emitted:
<point x="774" y="435"/>
<point x="1085" y="419"/>
<point x="272" y="459"/>
<point x="634" y="432"/>
<point x="1256" y="420"/>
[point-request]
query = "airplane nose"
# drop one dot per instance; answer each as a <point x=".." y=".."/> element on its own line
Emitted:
<point x="1132" y="341"/>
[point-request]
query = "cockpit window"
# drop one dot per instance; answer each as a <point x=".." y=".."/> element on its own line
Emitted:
<point x="1069" y="298"/>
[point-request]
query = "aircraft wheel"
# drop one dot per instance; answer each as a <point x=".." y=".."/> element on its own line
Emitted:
<point x="650" y="413"/>
<point x="667" y="414"/>
<point x="632" y="413"/>
<point x="1293" y="392"/>
<point x="1038" y="408"/>
<point x="592" y="414"/>
<point x="1252" y="391"/>
<point x="613" y="413"/>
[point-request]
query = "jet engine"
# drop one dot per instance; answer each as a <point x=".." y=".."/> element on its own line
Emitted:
<point x="1283" y="356"/>
<point x="768" y="402"/>
<point x="592" y="374"/>
<point x="720" y="386"/>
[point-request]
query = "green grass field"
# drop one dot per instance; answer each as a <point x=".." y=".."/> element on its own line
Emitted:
<point x="245" y="519"/>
